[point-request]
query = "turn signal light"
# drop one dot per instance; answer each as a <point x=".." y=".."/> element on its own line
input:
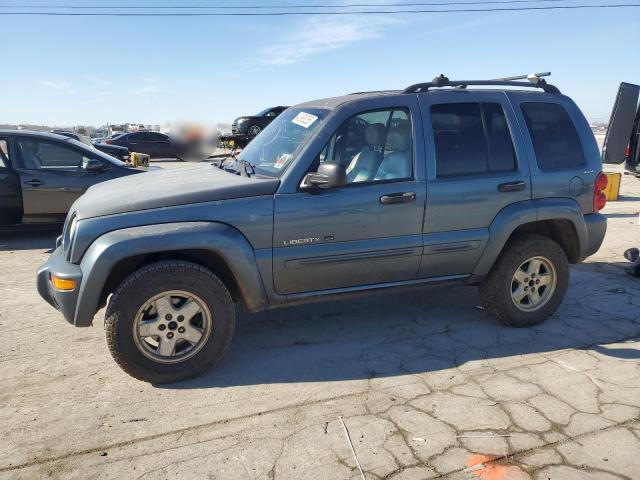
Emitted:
<point x="63" y="284"/>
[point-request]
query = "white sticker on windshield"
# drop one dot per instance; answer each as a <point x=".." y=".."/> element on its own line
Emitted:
<point x="304" y="119"/>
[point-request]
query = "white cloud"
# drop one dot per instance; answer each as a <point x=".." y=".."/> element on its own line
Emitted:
<point x="99" y="81"/>
<point x="144" y="89"/>
<point x="318" y="35"/>
<point x="63" y="86"/>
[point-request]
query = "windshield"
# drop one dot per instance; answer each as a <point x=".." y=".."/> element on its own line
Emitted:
<point x="263" y="112"/>
<point x="273" y="150"/>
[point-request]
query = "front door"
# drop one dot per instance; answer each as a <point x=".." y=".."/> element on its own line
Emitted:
<point x="476" y="167"/>
<point x="368" y="232"/>
<point x="52" y="177"/>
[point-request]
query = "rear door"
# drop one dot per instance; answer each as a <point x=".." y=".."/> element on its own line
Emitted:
<point x="10" y="194"/>
<point x="565" y="156"/>
<point x="52" y="176"/>
<point x="476" y="166"/>
<point x="162" y="145"/>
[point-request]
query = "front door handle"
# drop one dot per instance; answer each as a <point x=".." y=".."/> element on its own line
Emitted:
<point x="402" y="197"/>
<point x="511" y="186"/>
<point x="34" y="183"/>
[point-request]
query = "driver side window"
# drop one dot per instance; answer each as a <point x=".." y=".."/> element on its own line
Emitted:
<point x="373" y="146"/>
<point x="40" y="155"/>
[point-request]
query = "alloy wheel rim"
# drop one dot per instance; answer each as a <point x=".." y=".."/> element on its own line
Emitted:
<point x="533" y="284"/>
<point x="172" y="326"/>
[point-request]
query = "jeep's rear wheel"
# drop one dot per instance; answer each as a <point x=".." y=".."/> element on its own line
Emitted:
<point x="169" y="321"/>
<point x="527" y="283"/>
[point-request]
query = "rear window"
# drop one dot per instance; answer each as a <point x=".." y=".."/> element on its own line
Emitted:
<point x="471" y="139"/>
<point x="554" y="136"/>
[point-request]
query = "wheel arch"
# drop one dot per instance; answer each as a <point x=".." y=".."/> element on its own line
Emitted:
<point x="215" y="246"/>
<point x="557" y="218"/>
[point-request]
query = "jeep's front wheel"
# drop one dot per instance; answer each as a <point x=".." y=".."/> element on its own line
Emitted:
<point x="169" y="321"/>
<point x="527" y="283"/>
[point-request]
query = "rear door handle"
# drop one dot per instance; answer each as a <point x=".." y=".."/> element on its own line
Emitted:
<point x="402" y="197"/>
<point x="33" y="183"/>
<point x="511" y="187"/>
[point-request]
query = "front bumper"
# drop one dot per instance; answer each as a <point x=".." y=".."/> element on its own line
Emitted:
<point x="65" y="301"/>
<point x="596" y="229"/>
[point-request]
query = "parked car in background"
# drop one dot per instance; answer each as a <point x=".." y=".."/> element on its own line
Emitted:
<point x="253" y="125"/>
<point x="121" y="153"/>
<point x="42" y="174"/>
<point x="154" y="144"/>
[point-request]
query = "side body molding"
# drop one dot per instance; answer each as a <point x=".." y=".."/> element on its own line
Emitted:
<point x="221" y="239"/>
<point x="517" y="214"/>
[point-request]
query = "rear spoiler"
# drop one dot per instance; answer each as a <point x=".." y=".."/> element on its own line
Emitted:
<point x="621" y="124"/>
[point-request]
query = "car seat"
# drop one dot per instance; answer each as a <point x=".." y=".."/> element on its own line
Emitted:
<point x="365" y="163"/>
<point x="396" y="164"/>
<point x="29" y="151"/>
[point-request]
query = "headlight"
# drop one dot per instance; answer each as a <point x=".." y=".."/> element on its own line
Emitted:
<point x="240" y="121"/>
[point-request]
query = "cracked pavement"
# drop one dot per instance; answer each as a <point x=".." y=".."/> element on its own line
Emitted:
<point x="428" y="385"/>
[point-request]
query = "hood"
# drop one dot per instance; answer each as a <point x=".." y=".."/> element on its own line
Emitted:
<point x="168" y="188"/>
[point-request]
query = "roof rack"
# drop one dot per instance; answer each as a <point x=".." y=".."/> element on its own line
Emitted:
<point x="535" y="80"/>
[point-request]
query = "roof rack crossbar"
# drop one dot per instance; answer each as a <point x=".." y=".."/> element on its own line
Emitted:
<point x="442" y="81"/>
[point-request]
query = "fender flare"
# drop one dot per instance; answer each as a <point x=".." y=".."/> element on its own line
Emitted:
<point x="219" y="238"/>
<point x="517" y="214"/>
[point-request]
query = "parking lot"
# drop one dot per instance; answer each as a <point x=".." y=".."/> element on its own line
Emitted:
<point x="427" y="384"/>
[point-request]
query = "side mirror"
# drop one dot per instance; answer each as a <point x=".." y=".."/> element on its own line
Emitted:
<point x="95" y="166"/>
<point x="329" y="175"/>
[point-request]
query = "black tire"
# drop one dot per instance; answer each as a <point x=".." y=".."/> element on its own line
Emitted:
<point x="496" y="288"/>
<point x="151" y="280"/>
<point x="253" y="130"/>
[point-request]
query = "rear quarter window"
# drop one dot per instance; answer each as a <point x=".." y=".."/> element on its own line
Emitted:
<point x="554" y="136"/>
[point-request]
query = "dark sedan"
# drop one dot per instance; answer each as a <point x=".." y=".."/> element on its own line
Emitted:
<point x="156" y="145"/>
<point x="42" y="174"/>
<point x="253" y="125"/>
<point x="121" y="153"/>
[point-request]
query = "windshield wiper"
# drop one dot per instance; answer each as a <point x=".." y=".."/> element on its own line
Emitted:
<point x="247" y="167"/>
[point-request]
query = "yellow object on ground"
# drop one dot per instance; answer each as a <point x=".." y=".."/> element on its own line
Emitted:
<point x="139" y="159"/>
<point x="613" y="186"/>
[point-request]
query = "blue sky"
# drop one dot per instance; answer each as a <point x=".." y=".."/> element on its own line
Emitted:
<point x="82" y="70"/>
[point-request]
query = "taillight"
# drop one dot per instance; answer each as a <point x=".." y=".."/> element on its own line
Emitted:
<point x="599" y="197"/>
<point x="627" y="152"/>
<point x="108" y="142"/>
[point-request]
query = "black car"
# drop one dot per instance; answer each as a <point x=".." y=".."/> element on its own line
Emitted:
<point x="42" y="174"/>
<point x="121" y="153"/>
<point x="253" y="125"/>
<point x="156" y="145"/>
